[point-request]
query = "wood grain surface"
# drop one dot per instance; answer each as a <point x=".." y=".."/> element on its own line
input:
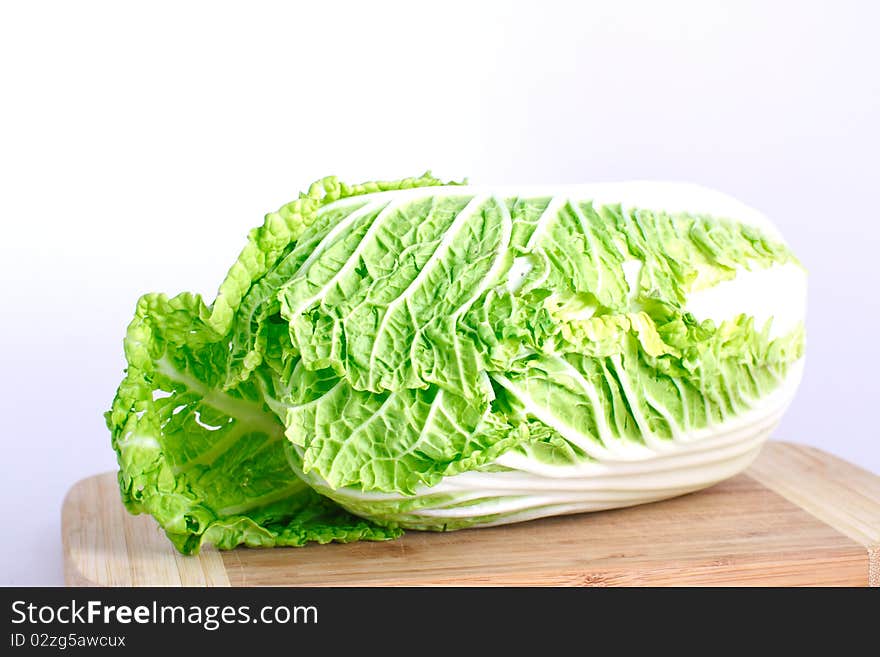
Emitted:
<point x="798" y="516"/>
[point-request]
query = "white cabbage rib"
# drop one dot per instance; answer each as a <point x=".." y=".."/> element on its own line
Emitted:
<point x="777" y="293"/>
<point x="646" y="194"/>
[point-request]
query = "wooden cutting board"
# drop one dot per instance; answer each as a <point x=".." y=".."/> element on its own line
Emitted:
<point x="798" y="516"/>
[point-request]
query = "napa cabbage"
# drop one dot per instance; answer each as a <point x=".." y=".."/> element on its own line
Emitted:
<point x="429" y="355"/>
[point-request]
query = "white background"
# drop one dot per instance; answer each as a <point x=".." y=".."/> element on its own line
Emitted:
<point x="138" y="145"/>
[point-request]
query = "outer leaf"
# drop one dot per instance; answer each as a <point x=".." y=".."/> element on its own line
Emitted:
<point x="390" y="441"/>
<point x="209" y="464"/>
<point x="265" y="253"/>
<point x="380" y="304"/>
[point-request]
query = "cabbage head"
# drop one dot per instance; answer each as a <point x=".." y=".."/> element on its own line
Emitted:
<point x="429" y="355"/>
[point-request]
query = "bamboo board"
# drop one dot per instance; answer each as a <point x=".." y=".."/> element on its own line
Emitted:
<point x="798" y="516"/>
